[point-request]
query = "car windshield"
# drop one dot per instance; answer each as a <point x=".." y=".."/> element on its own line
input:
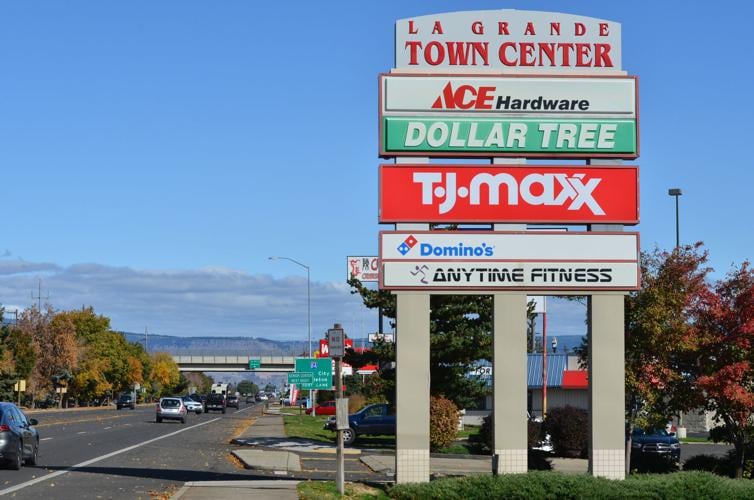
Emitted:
<point x="170" y="403"/>
<point x="650" y="432"/>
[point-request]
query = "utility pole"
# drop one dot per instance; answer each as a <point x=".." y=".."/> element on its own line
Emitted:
<point x="38" y="298"/>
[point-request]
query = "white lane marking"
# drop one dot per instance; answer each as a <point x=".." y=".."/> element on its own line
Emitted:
<point x="45" y="439"/>
<point x="109" y="427"/>
<point x="82" y="432"/>
<point x="98" y="459"/>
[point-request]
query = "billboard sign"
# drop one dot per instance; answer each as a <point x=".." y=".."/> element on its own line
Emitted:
<point x="457" y="260"/>
<point x="485" y="95"/>
<point x="363" y="268"/>
<point x="477" y="115"/>
<point x="508" y="40"/>
<point x="521" y="193"/>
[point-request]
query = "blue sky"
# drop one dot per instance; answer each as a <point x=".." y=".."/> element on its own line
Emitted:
<point x="154" y="154"/>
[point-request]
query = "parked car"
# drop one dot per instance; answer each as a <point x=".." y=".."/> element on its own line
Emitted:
<point x="233" y="401"/>
<point x="374" y="419"/>
<point x="326" y="408"/>
<point x="171" y="409"/>
<point x="192" y="405"/>
<point x="655" y="444"/>
<point x="125" y="401"/>
<point x="215" y="402"/>
<point x="19" y="440"/>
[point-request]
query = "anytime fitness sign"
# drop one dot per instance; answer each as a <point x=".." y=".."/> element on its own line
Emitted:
<point x="505" y="40"/>
<point x="479" y="193"/>
<point x="456" y="260"/>
<point x="447" y="115"/>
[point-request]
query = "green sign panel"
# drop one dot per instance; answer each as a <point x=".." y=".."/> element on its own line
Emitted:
<point x="321" y="370"/>
<point x="497" y="136"/>
<point x="254" y="364"/>
<point x="300" y="379"/>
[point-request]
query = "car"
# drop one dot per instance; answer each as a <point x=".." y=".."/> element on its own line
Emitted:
<point x="171" y="408"/>
<point x="262" y="397"/>
<point x="126" y="401"/>
<point x="250" y="400"/>
<point x="215" y="402"/>
<point x="19" y="439"/>
<point x="374" y="419"/>
<point x="654" y="445"/>
<point x="233" y="401"/>
<point x="193" y="405"/>
<point x="326" y="408"/>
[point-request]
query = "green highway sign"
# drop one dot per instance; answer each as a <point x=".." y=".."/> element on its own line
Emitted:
<point x="255" y="364"/>
<point x="301" y="379"/>
<point x="543" y="137"/>
<point x="321" y="370"/>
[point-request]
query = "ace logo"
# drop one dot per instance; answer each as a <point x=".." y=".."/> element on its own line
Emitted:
<point x="465" y="97"/>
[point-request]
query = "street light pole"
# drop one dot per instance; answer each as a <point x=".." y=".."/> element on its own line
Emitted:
<point x="308" y="311"/>
<point x="676" y="192"/>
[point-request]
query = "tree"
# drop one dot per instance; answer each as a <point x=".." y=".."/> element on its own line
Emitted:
<point x="248" y="387"/>
<point x="725" y="327"/>
<point x="55" y="345"/>
<point x="165" y="374"/>
<point x="660" y="342"/>
<point x="460" y="336"/>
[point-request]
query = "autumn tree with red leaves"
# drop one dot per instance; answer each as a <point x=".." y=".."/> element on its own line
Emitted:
<point x="725" y="329"/>
<point x="660" y="342"/>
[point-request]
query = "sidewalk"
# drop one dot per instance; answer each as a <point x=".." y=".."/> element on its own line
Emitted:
<point x="231" y="490"/>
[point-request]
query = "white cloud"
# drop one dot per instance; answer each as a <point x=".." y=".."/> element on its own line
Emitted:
<point x="212" y="301"/>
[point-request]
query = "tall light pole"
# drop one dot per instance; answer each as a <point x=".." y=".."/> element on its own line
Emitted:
<point x="308" y="297"/>
<point x="676" y="192"/>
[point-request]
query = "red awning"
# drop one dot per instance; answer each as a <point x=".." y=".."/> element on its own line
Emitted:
<point x="575" y="379"/>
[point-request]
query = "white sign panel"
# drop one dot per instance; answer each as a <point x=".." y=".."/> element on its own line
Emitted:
<point x="507" y="246"/>
<point x="543" y="261"/>
<point x="540" y="306"/>
<point x="363" y="268"/>
<point x="508" y="41"/>
<point x="440" y="95"/>
<point x="540" y="275"/>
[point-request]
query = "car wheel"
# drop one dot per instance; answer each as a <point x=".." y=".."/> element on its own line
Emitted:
<point x="33" y="459"/>
<point x="183" y="420"/>
<point x="159" y="420"/>
<point x="349" y="436"/>
<point x="18" y="462"/>
<point x="133" y="407"/>
<point x="223" y="411"/>
<point x="198" y="412"/>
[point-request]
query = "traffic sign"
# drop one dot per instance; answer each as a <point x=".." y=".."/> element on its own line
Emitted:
<point x="300" y="378"/>
<point x="321" y="370"/>
<point x="255" y="364"/>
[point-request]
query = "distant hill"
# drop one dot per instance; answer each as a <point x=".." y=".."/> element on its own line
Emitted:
<point x="220" y="345"/>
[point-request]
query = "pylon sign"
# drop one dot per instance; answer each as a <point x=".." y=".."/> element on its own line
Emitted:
<point x="474" y="115"/>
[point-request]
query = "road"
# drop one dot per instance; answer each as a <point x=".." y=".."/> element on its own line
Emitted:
<point x="106" y="453"/>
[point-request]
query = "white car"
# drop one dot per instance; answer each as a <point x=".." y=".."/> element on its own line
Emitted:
<point x="171" y="409"/>
<point x="191" y="405"/>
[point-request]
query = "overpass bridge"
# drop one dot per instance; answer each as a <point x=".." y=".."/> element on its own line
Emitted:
<point x="212" y="363"/>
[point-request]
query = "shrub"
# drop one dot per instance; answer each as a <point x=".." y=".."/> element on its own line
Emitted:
<point x="709" y="463"/>
<point x="568" y="428"/>
<point x="443" y="422"/>
<point x="355" y="403"/>
<point x="534" y="429"/>
<point x="683" y="485"/>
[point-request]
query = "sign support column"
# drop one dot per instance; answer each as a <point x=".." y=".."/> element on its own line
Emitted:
<point x="509" y="383"/>
<point x="607" y="455"/>
<point x="412" y="388"/>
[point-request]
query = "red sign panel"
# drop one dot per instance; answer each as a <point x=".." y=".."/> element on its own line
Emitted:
<point x="525" y="194"/>
<point x="324" y="348"/>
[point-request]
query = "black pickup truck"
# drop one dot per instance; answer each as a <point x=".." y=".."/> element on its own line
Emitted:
<point x="215" y="402"/>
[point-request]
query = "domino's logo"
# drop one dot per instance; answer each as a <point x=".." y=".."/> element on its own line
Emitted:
<point x="407" y="245"/>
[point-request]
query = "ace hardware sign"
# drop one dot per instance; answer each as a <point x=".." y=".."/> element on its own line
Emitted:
<point x="473" y="115"/>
